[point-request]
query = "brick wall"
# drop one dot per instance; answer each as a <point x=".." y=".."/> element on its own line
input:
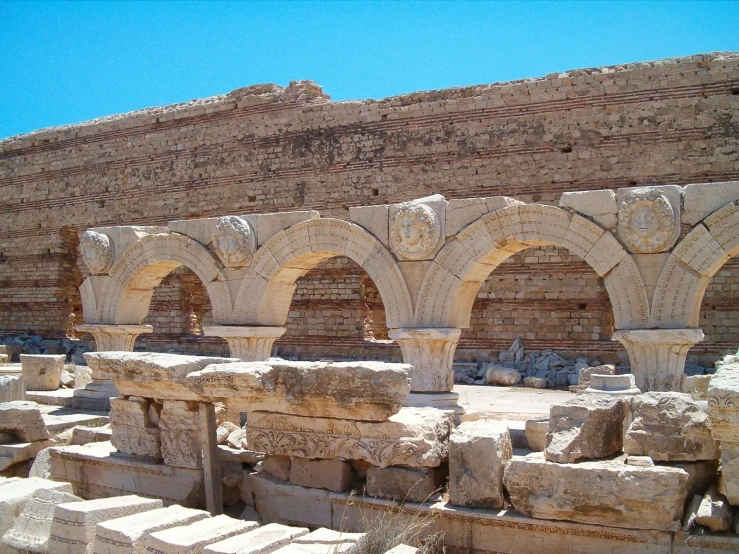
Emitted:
<point x="266" y="149"/>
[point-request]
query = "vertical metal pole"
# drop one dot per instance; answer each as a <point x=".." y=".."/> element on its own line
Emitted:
<point x="211" y="468"/>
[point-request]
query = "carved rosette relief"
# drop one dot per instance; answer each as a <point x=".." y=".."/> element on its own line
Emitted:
<point x="647" y="221"/>
<point x="234" y="241"/>
<point x="414" y="231"/>
<point x="97" y="251"/>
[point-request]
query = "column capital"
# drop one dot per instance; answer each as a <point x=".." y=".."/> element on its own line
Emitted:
<point x="248" y="343"/>
<point x="112" y="338"/>
<point x="431" y="353"/>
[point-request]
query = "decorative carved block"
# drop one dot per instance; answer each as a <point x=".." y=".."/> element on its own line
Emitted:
<point x="234" y="241"/>
<point x="97" y="251"/>
<point x="414" y="231"/>
<point x="647" y="220"/>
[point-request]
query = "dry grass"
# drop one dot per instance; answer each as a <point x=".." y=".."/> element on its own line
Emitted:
<point x="388" y="530"/>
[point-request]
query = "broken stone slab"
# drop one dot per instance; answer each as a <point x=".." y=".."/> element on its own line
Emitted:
<point x="128" y="535"/>
<point x="502" y="376"/>
<point x="603" y="492"/>
<point x="262" y="540"/>
<point x="33" y="525"/>
<point x="278" y="467"/>
<point x="14" y="493"/>
<point x="151" y="374"/>
<point x="12" y="387"/>
<point x="669" y="426"/>
<point x="333" y="475"/>
<point x="316" y="548"/>
<point x="41" y="465"/>
<point x="583" y="381"/>
<point x="404" y="484"/>
<point x="224" y="430"/>
<point x="415" y="437"/>
<point x="227" y="454"/>
<point x="74" y="524"/>
<point x="588" y="426"/>
<point x="478" y="452"/>
<point x="366" y="390"/>
<point x="23" y="419"/>
<point x="280" y="502"/>
<point x="536" y="434"/>
<point x="729" y="477"/>
<point x="193" y="538"/>
<point x="82" y="434"/>
<point x="11" y="454"/>
<point x="42" y="371"/>
<point x="714" y="512"/>
<point x="236" y="438"/>
<point x="691" y="511"/>
<point x="723" y="399"/>
<point x="322" y="535"/>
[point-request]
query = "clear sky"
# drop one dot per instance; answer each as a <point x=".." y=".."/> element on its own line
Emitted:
<point x="66" y="62"/>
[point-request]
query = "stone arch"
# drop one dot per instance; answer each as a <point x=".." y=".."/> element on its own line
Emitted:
<point x="692" y="263"/>
<point x="459" y="269"/>
<point x="127" y="291"/>
<point x="266" y="293"/>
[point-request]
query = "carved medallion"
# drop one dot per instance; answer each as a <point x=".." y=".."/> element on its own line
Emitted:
<point x="414" y="231"/>
<point x="647" y="221"/>
<point x="97" y="251"/>
<point x="234" y="241"/>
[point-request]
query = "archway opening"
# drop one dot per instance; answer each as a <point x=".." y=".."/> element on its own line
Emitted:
<point x="718" y="317"/>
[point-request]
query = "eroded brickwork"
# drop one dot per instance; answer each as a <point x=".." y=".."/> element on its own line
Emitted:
<point x="266" y="149"/>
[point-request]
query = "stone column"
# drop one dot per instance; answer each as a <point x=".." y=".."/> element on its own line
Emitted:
<point x="114" y="338"/>
<point x="250" y="344"/>
<point x="658" y="355"/>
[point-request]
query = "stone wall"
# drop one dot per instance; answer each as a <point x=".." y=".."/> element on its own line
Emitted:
<point x="266" y="149"/>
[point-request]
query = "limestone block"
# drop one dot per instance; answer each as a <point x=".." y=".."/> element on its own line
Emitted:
<point x="179" y="426"/>
<point x="278" y="467"/>
<point x="372" y="218"/>
<point x="33" y="525"/>
<point x="268" y="225"/>
<point x="41" y="465"/>
<point x="415" y="437"/>
<point x="729" y="479"/>
<point x="723" y="399"/>
<point x="23" y="419"/>
<point x="224" y="430"/>
<point x="280" y="502"/>
<point x="42" y="371"/>
<point x="535" y="382"/>
<point x="714" y="512"/>
<point x="615" y="385"/>
<point x="262" y="540"/>
<point x="129" y="534"/>
<point x="697" y="386"/>
<point x="316" y="548"/>
<point x="588" y="426"/>
<point x="11" y="454"/>
<point x="536" y="434"/>
<point x="14" y="493"/>
<point x="193" y="538"/>
<point x="404" y="484"/>
<point x="590" y="203"/>
<point x="370" y="391"/>
<point x="131" y="429"/>
<point x="322" y="535"/>
<point x="73" y="528"/>
<point x="700" y="200"/>
<point x="669" y="426"/>
<point x="150" y="374"/>
<point x="333" y="475"/>
<point x="598" y="492"/>
<point x="84" y="435"/>
<point x="478" y="452"/>
<point x="502" y="376"/>
<point x="235" y="438"/>
<point x="583" y="381"/>
<point x="12" y="387"/>
<point x="82" y="376"/>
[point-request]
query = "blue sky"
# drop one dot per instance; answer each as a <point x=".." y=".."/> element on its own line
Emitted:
<point x="66" y="62"/>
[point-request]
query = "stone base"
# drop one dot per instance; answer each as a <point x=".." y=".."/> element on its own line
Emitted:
<point x="439" y="400"/>
<point x="97" y="471"/>
<point x="95" y="396"/>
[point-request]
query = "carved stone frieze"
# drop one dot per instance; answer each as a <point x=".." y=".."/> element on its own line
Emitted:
<point x="648" y="221"/>
<point x="97" y="251"/>
<point x="414" y="231"/>
<point x="234" y="241"/>
<point x="180" y="431"/>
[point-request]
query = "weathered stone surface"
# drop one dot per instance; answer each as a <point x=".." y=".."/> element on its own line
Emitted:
<point x="33" y="525"/>
<point x="723" y="399"/>
<point x="73" y="528"/>
<point x="333" y="475"/>
<point x="236" y="438"/>
<point x="41" y="465"/>
<point x="82" y="434"/>
<point x="42" y="371"/>
<point x="728" y="484"/>
<point x="179" y="426"/>
<point x="11" y="454"/>
<point x="23" y="419"/>
<point x="280" y="502"/>
<point x="536" y="434"/>
<point x="369" y="391"/>
<point x="278" y="466"/>
<point x="224" y="430"/>
<point x="131" y="429"/>
<point x="258" y="541"/>
<point x="14" y="493"/>
<point x="502" y="376"/>
<point x="478" y="452"/>
<point x="128" y="535"/>
<point x="150" y="374"/>
<point x="598" y="492"/>
<point x="583" y="381"/>
<point x="12" y="388"/>
<point x="323" y="535"/>
<point x="315" y="548"/>
<point x="403" y="484"/>
<point x="588" y="426"/>
<point x="414" y="437"/>
<point x="193" y="538"/>
<point x="669" y="426"/>
<point x="697" y="386"/>
<point x="714" y="512"/>
<point x="535" y="382"/>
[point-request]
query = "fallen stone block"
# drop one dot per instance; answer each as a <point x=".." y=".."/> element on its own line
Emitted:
<point x="502" y="376"/>
<point x="588" y="426"/>
<point x="280" y="502"/>
<point x="415" y="437"/>
<point x="236" y="438"/>
<point x="42" y="371"/>
<point x="599" y="492"/>
<point x="74" y="524"/>
<point x="12" y="387"/>
<point x="23" y="419"/>
<point x="33" y="526"/>
<point x="669" y="426"/>
<point x="729" y="478"/>
<point x="714" y="512"/>
<point x="535" y="382"/>
<point x="82" y="434"/>
<point x="369" y="391"/>
<point x="333" y="475"/>
<point x="11" y="454"/>
<point x="14" y="493"/>
<point x="262" y="540"/>
<point x="193" y="538"/>
<point x="536" y="434"/>
<point x="404" y="484"/>
<point x="224" y="430"/>
<point x="128" y="535"/>
<point x="478" y="452"/>
<point x="691" y="511"/>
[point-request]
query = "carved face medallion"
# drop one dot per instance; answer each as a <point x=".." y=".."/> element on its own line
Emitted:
<point x="234" y="241"/>
<point x="97" y="251"/>
<point x="647" y="221"/>
<point x="414" y="231"/>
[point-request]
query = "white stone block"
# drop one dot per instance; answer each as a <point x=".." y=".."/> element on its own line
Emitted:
<point x="262" y="540"/>
<point x="193" y="538"/>
<point x="405" y="484"/>
<point x="14" y="493"/>
<point x="333" y="475"/>
<point x="42" y="371"/>
<point x="12" y="387"/>
<point x="23" y="419"/>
